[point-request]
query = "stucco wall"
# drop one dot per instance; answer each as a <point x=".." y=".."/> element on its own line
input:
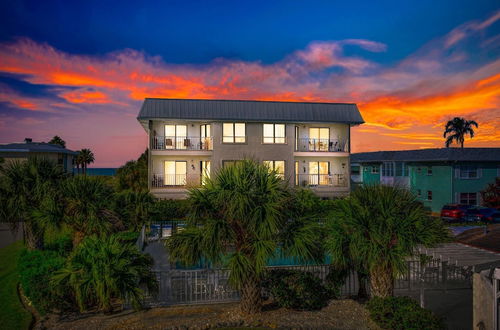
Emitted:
<point x="439" y="182"/>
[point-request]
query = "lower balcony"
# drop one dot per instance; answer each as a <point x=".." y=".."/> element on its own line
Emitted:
<point x="322" y="180"/>
<point x="175" y="181"/>
<point x="321" y="145"/>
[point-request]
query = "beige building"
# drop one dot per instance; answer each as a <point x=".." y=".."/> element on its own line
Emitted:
<point x="27" y="149"/>
<point x="307" y="143"/>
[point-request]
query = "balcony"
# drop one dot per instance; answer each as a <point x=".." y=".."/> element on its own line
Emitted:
<point x="175" y="180"/>
<point x="321" y="145"/>
<point x="181" y="143"/>
<point x="316" y="180"/>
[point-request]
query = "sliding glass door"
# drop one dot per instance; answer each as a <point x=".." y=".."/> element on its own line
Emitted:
<point x="319" y="173"/>
<point x="176" y="137"/>
<point x="319" y="138"/>
<point x="175" y="173"/>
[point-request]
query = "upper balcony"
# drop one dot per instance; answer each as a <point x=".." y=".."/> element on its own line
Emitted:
<point x="181" y="143"/>
<point x="321" y="145"/>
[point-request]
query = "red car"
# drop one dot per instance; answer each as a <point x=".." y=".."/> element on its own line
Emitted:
<point x="454" y="212"/>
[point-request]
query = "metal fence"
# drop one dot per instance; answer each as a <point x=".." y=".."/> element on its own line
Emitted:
<point x="205" y="286"/>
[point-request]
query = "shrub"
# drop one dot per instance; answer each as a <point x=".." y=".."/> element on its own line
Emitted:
<point x="35" y="270"/>
<point x="335" y="280"/>
<point x="102" y="269"/>
<point x="402" y="313"/>
<point x="296" y="289"/>
<point x="62" y="245"/>
<point x="128" y="237"/>
<point x="168" y="209"/>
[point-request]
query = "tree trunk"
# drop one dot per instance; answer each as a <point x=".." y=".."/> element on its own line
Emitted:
<point x="32" y="238"/>
<point x="78" y="237"/>
<point x="382" y="282"/>
<point x="362" y="278"/>
<point x="251" y="300"/>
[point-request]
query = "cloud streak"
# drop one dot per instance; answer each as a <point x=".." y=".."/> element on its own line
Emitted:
<point x="402" y="103"/>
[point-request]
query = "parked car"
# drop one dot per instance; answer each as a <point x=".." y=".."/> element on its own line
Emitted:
<point x="484" y="214"/>
<point x="454" y="212"/>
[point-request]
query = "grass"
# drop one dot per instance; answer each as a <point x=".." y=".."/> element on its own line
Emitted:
<point x="12" y="313"/>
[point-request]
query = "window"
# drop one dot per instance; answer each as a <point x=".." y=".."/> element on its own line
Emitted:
<point x="429" y="170"/>
<point x="468" y="172"/>
<point x="419" y="170"/>
<point x="233" y="133"/>
<point x="276" y="165"/>
<point x="401" y="169"/>
<point x="205" y="137"/>
<point x="468" y="198"/>
<point x="273" y="133"/>
<point x="297" y="138"/>
<point x="205" y="171"/>
<point x="319" y="138"/>
<point x="355" y="170"/>
<point x="429" y="195"/>
<point x="175" y="173"/>
<point x="176" y="137"/>
<point x="375" y="169"/>
<point x="388" y="169"/>
<point x="319" y="173"/>
<point x="296" y="173"/>
<point x="419" y="193"/>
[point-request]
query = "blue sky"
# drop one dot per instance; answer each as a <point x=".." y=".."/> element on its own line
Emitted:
<point x="80" y="69"/>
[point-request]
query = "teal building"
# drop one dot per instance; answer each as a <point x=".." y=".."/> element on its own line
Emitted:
<point x="436" y="176"/>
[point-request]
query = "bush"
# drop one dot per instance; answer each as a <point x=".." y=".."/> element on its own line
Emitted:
<point x="61" y="245"/>
<point x="168" y="209"/>
<point x="296" y="289"/>
<point x="402" y="313"/>
<point x="35" y="270"/>
<point x="127" y="237"/>
<point x="334" y="281"/>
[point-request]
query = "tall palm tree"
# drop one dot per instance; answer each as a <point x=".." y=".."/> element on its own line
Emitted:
<point x="102" y="269"/>
<point x="87" y="207"/>
<point x="377" y="228"/>
<point x="85" y="157"/>
<point x="25" y="186"/>
<point x="57" y="140"/>
<point x="457" y="129"/>
<point x="236" y="222"/>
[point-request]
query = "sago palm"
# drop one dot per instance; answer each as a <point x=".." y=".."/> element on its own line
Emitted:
<point x="377" y="228"/>
<point x="456" y="130"/>
<point x="237" y="221"/>
<point x="102" y="269"/>
<point x="25" y="186"/>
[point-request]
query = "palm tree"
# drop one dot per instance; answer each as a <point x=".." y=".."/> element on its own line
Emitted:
<point x="457" y="129"/>
<point x="85" y="157"/>
<point x="57" y="140"/>
<point x="377" y="228"/>
<point x="102" y="269"/>
<point x="133" y="207"/>
<point x="87" y="207"/>
<point x="236" y="222"/>
<point x="25" y="186"/>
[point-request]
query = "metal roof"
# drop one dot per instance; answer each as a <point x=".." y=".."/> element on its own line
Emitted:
<point x="430" y="155"/>
<point x="257" y="111"/>
<point x="35" y="147"/>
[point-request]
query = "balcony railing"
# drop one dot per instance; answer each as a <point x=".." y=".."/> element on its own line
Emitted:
<point x="175" y="180"/>
<point x="322" y="145"/>
<point x="314" y="180"/>
<point x="181" y="143"/>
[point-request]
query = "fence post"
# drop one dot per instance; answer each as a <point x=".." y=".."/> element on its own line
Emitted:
<point x="444" y="274"/>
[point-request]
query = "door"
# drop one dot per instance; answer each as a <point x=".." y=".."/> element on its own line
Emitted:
<point x="206" y="137"/>
<point x="319" y="138"/>
<point x="319" y="173"/>
<point x="176" y="137"/>
<point x="205" y="171"/>
<point x="175" y="173"/>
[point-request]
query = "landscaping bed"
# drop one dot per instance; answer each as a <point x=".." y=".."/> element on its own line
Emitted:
<point x="339" y="314"/>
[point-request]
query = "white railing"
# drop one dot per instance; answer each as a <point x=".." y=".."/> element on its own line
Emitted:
<point x="321" y="145"/>
<point x="313" y="180"/>
<point x="175" y="180"/>
<point x="181" y="143"/>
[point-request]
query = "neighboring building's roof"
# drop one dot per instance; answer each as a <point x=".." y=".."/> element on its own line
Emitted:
<point x="35" y="147"/>
<point x="430" y="155"/>
<point x="257" y="111"/>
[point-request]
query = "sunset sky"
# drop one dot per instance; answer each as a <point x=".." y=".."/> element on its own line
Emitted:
<point x="81" y="71"/>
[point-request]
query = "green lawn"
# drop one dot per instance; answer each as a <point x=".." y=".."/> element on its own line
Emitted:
<point x="12" y="313"/>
